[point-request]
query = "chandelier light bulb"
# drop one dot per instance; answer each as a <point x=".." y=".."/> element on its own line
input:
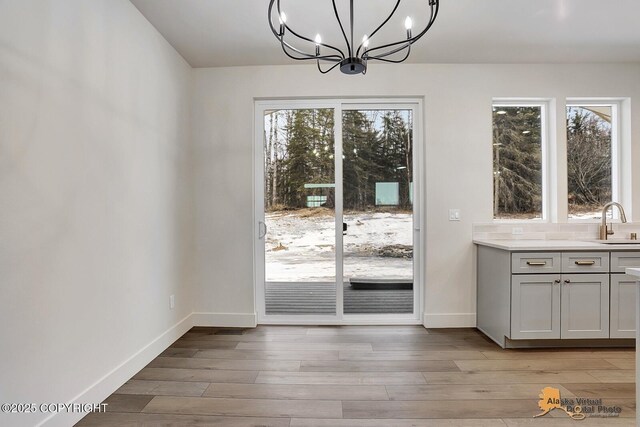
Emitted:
<point x="408" y="23"/>
<point x="365" y="41"/>
<point x="282" y="18"/>
<point x="318" y="39"/>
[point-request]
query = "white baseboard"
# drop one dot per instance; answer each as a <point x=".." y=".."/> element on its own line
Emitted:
<point x="234" y="320"/>
<point x="109" y="383"/>
<point x="450" y="320"/>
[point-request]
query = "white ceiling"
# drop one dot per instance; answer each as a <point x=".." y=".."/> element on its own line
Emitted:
<point x="216" y="33"/>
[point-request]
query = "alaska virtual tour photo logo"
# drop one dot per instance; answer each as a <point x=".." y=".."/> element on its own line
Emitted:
<point x="575" y="407"/>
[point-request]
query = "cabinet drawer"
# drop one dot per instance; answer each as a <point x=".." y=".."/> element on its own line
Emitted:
<point x="622" y="260"/>
<point x="535" y="262"/>
<point x="585" y="262"/>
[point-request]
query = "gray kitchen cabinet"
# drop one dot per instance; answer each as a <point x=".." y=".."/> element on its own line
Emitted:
<point x="584" y="307"/>
<point x="535" y="306"/>
<point x="623" y="311"/>
<point x="554" y="306"/>
<point x="530" y="298"/>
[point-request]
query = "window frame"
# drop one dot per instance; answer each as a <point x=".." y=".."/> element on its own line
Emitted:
<point x="545" y="107"/>
<point x="618" y="174"/>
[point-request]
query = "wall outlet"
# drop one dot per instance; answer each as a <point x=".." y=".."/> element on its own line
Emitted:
<point x="172" y="301"/>
<point x="454" y="214"/>
<point x="517" y="231"/>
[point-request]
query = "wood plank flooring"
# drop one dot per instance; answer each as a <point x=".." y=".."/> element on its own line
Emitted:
<point x="363" y="376"/>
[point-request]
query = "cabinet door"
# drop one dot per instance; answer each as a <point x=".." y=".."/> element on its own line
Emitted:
<point x="535" y="306"/>
<point x="623" y="306"/>
<point x="585" y="306"/>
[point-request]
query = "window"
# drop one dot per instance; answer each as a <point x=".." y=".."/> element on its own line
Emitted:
<point x="592" y="165"/>
<point x="518" y="161"/>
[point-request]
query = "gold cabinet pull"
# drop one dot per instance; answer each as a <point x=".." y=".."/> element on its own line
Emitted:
<point x="585" y="262"/>
<point x="536" y="263"/>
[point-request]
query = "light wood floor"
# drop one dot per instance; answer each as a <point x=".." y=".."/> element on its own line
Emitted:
<point x="363" y="376"/>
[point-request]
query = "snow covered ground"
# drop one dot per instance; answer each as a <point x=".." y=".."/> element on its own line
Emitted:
<point x="300" y="245"/>
<point x="590" y="215"/>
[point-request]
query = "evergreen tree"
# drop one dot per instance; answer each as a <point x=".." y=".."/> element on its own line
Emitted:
<point x="517" y="160"/>
<point x="359" y="142"/>
<point x="397" y="158"/>
<point x="299" y="150"/>
<point x="309" y="154"/>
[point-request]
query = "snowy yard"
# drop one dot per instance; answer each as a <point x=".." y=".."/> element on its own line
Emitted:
<point x="300" y="245"/>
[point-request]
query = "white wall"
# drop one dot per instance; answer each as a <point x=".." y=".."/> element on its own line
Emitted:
<point x="107" y="140"/>
<point x="457" y="100"/>
<point x="95" y="199"/>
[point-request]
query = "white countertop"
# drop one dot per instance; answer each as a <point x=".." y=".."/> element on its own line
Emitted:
<point x="554" y="245"/>
<point x="633" y="271"/>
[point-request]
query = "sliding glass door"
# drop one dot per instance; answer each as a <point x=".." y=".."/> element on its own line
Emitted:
<point x="377" y="211"/>
<point x="337" y="229"/>
<point x="299" y="212"/>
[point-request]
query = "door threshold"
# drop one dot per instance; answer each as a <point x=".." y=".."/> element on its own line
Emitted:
<point x="347" y="322"/>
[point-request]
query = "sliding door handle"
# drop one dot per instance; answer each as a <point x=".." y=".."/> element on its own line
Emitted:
<point x="262" y="230"/>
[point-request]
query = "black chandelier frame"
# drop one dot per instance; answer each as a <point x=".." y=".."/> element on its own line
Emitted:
<point x="353" y="61"/>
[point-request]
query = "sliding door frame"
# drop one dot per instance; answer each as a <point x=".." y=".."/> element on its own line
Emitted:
<point x="339" y="105"/>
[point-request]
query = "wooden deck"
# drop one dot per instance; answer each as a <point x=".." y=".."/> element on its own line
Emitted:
<point x="319" y="298"/>
<point x="363" y="376"/>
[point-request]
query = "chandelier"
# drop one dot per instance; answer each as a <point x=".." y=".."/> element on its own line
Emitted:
<point x="351" y="60"/>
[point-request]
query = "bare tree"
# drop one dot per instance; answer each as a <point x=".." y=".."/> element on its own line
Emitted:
<point x="588" y="159"/>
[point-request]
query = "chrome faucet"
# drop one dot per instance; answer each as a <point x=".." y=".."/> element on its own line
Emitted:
<point x="605" y="231"/>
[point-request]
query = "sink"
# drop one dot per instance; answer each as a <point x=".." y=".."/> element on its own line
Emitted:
<point x="618" y="242"/>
